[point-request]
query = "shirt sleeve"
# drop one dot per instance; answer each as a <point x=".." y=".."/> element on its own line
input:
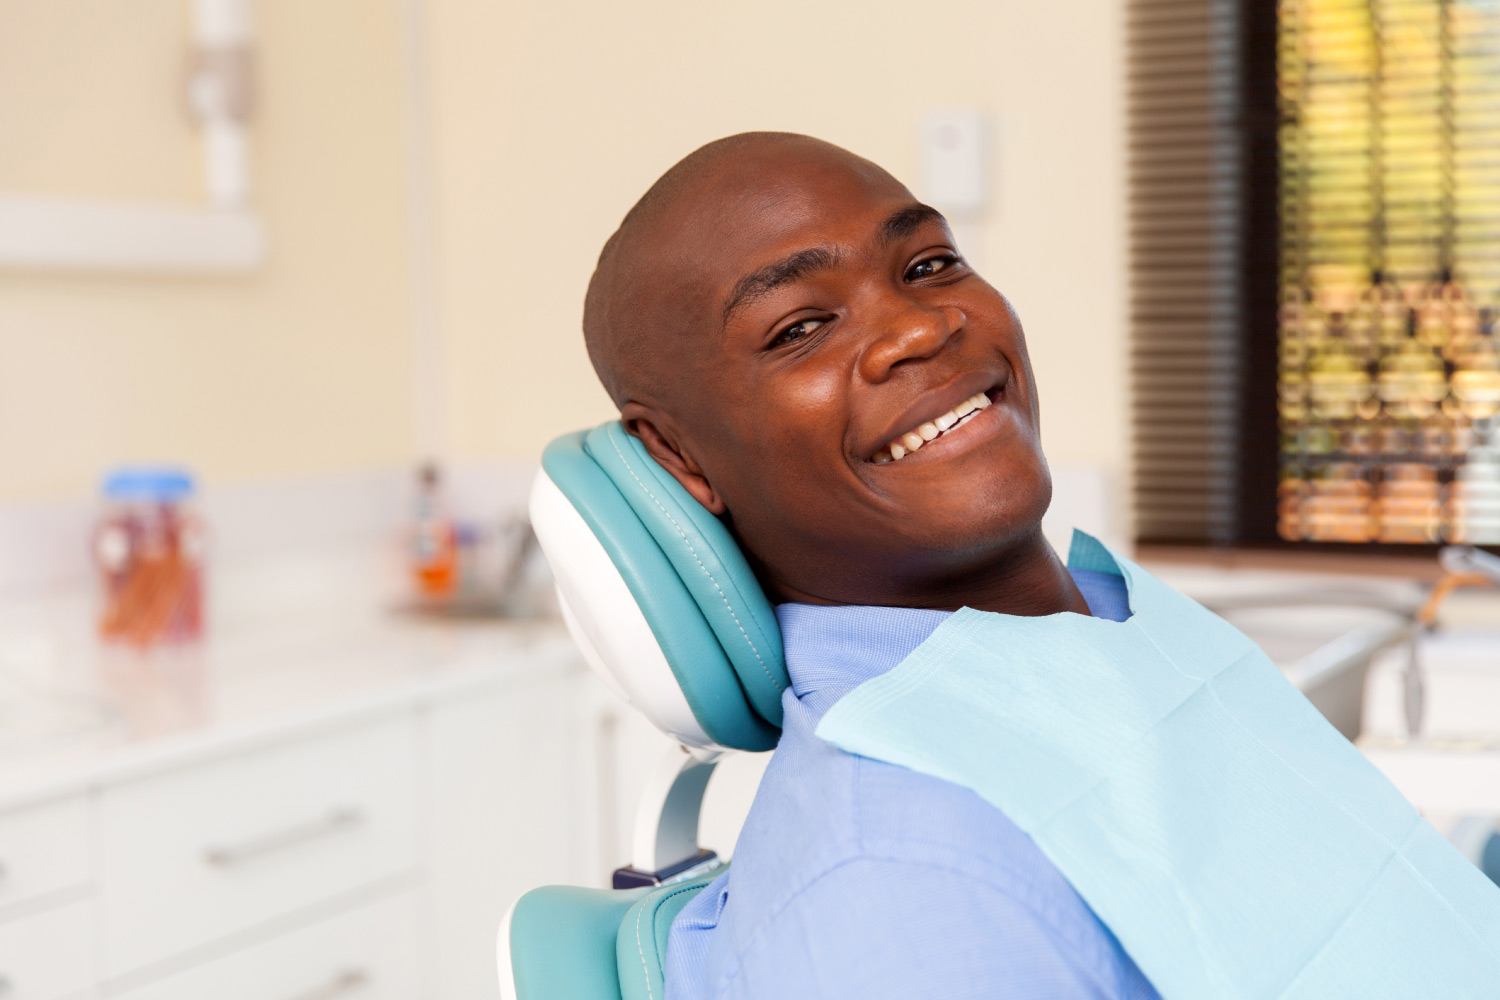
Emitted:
<point x="874" y="929"/>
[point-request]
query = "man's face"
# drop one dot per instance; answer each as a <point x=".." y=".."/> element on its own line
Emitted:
<point x="841" y="320"/>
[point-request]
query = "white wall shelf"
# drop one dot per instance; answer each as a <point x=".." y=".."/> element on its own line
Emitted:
<point x="46" y="233"/>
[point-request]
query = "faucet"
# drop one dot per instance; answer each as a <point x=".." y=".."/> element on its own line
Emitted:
<point x="1463" y="566"/>
<point x="1466" y="560"/>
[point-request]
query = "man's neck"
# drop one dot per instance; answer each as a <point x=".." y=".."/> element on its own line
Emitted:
<point x="1027" y="579"/>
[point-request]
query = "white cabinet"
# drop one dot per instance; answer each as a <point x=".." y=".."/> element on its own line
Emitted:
<point x="48" y="956"/>
<point x="189" y="857"/>
<point x="46" y="914"/>
<point x="43" y="850"/>
<point x="618" y="749"/>
<point x="369" y="848"/>
<point x="502" y="768"/>
<point x="369" y="953"/>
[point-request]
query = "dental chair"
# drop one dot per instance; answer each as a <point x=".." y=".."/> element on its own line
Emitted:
<point x="667" y="612"/>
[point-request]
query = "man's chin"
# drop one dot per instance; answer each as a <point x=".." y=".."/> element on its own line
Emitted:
<point x="987" y="490"/>
<point x="979" y="532"/>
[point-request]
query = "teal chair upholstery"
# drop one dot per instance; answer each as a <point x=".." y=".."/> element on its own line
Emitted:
<point x="561" y="942"/>
<point x="641" y="943"/>
<point x="603" y="511"/>
<point x="569" y="943"/>
<point x="668" y="612"/>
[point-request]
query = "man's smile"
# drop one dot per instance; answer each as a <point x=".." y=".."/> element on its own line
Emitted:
<point x="949" y="414"/>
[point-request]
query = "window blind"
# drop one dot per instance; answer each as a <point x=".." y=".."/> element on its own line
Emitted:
<point x="1186" y="227"/>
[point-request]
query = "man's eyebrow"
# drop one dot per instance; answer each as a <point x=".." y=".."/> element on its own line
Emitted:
<point x="903" y="222"/>
<point x="789" y="268"/>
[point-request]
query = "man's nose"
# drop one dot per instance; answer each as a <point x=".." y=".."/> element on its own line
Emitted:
<point x="908" y="331"/>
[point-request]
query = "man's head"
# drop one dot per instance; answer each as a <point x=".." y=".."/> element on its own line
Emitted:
<point x="771" y="317"/>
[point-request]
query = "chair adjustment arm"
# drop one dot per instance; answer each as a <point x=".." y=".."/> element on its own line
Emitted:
<point x="665" y="847"/>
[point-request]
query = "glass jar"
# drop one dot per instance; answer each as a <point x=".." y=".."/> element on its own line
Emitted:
<point x="149" y="550"/>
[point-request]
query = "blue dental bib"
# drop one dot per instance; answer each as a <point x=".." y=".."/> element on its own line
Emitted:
<point x="1232" y="840"/>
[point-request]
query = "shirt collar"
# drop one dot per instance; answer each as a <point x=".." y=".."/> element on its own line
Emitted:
<point x="832" y="649"/>
<point x="836" y="648"/>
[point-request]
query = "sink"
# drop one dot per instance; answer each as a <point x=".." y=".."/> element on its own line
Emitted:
<point x="1451" y="770"/>
<point x="1462" y="696"/>
<point x="1325" y="649"/>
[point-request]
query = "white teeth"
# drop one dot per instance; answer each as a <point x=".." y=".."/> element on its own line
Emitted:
<point x="912" y="440"/>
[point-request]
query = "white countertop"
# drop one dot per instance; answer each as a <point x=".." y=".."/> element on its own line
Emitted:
<point x="291" y="645"/>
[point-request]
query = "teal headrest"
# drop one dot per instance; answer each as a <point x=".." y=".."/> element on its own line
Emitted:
<point x="687" y="576"/>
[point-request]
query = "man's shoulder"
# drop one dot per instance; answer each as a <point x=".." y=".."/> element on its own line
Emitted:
<point x="838" y="846"/>
<point x="820" y="809"/>
<point x="905" y="924"/>
<point x="843" y="806"/>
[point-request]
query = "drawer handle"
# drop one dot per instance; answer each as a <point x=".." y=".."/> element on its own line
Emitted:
<point x="249" y="850"/>
<point x="343" y="982"/>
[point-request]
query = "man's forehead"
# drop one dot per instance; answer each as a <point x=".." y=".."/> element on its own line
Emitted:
<point x="749" y="218"/>
<point x="766" y="197"/>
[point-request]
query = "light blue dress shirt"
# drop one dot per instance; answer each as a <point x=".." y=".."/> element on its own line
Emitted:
<point x="856" y="878"/>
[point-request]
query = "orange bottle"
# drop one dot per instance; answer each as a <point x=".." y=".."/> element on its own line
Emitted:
<point x="434" y="544"/>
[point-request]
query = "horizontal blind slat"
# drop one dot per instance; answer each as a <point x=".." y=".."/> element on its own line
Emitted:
<point x="1182" y="236"/>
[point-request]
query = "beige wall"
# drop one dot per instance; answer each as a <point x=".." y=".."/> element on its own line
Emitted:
<point x="552" y="118"/>
<point x="546" y="122"/>
<point x="302" y="367"/>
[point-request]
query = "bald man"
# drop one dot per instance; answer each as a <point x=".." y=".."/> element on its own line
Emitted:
<point x="800" y="343"/>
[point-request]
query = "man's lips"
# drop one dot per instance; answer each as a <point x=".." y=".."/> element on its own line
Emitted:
<point x="933" y="404"/>
<point x="977" y="427"/>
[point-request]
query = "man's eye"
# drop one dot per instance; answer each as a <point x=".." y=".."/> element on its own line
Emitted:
<point x="796" y="331"/>
<point x="932" y="265"/>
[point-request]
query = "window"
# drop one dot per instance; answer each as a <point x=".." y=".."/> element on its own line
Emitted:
<point x="1389" y="368"/>
<point x="1315" y="273"/>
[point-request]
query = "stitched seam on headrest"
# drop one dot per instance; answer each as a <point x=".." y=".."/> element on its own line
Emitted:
<point x="641" y="951"/>
<point x="642" y="912"/>
<point x="683" y="535"/>
<point x="640" y="947"/>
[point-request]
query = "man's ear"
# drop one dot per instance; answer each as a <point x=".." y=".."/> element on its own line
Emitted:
<point x="643" y="423"/>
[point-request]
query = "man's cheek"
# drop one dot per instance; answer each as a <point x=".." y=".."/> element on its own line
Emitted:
<point x="814" y="399"/>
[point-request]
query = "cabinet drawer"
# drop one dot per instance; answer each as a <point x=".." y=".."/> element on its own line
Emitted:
<point x="192" y="856"/>
<point x="366" y="954"/>
<point x="42" y="849"/>
<point x="48" y="956"/>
